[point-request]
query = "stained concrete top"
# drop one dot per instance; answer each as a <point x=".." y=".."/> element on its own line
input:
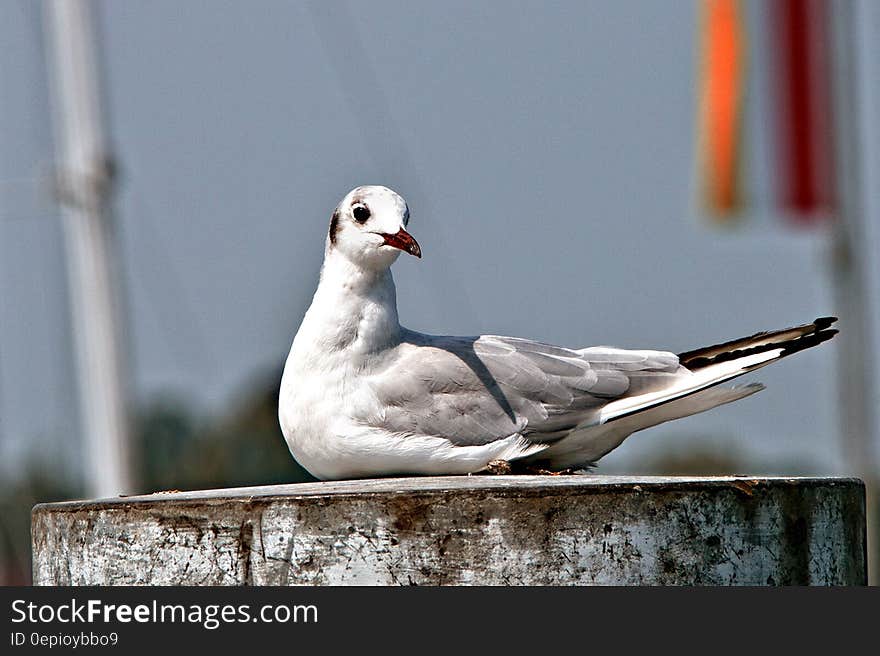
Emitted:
<point x="433" y="484"/>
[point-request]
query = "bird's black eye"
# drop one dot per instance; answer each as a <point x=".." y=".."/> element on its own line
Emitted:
<point x="360" y="213"/>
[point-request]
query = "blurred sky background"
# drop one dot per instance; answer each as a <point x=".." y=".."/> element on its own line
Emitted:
<point x="547" y="152"/>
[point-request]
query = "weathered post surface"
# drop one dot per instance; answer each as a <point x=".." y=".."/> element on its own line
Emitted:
<point x="465" y="530"/>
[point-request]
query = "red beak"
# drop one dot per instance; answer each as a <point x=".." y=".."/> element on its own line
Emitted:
<point x="404" y="241"/>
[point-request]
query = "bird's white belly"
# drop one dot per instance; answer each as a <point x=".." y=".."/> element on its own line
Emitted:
<point x="313" y="414"/>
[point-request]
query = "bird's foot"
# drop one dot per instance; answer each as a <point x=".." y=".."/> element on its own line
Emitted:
<point x="498" y="467"/>
<point x="504" y="467"/>
<point x="540" y="471"/>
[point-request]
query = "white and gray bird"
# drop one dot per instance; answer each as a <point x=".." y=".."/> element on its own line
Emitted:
<point x="362" y="396"/>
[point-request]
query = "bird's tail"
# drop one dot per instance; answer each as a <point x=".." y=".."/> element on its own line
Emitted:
<point x="712" y="365"/>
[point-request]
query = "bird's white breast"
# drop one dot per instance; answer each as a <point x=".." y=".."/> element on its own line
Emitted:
<point x="350" y="329"/>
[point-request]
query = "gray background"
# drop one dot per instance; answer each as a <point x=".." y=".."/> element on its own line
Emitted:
<point x="547" y="154"/>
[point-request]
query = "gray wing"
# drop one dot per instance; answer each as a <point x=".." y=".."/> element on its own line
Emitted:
<point x="475" y="390"/>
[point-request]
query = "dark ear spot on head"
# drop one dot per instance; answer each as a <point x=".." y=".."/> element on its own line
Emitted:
<point x="334" y="225"/>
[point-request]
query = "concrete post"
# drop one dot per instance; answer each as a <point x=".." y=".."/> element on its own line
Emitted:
<point x="465" y="530"/>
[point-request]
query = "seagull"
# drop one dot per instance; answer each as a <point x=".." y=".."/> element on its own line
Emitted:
<point x="362" y="396"/>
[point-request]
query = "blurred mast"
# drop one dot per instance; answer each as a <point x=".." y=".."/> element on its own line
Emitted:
<point x="855" y="25"/>
<point x="84" y="185"/>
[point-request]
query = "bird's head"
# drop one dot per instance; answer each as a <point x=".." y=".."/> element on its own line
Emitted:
<point x="369" y="227"/>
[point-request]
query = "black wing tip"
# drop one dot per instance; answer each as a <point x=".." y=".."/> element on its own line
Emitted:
<point x="812" y="334"/>
<point x="808" y="341"/>
<point x="823" y="322"/>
